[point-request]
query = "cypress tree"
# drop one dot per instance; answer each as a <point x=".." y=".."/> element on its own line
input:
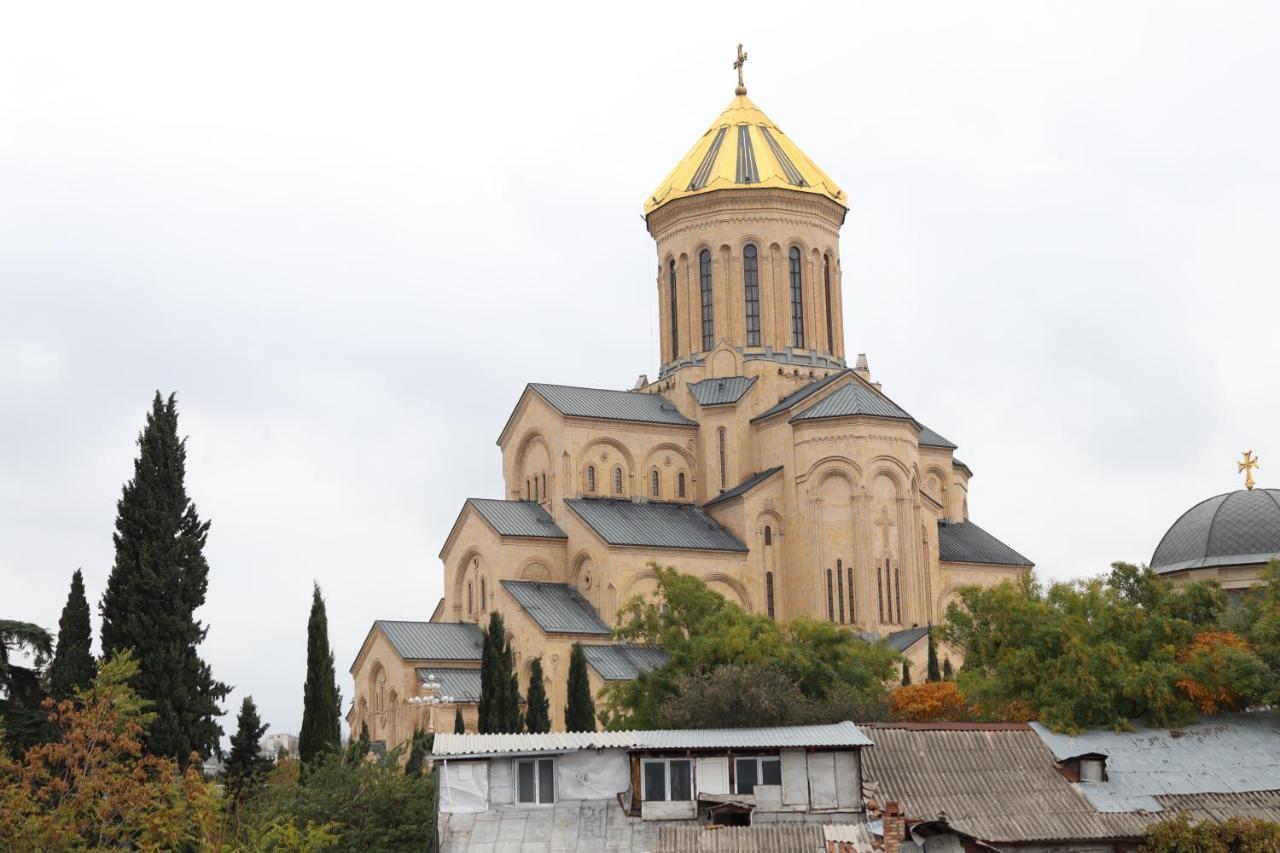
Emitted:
<point x="321" y="732"/>
<point x="459" y="727"/>
<point x="906" y="673"/>
<point x="73" y="665"/>
<point x="499" y="698"/>
<point x="157" y="583"/>
<point x="246" y="764"/>
<point x="947" y="672"/>
<point x="419" y="749"/>
<point x="359" y="746"/>
<point x="580" y="711"/>
<point x="934" y="674"/>
<point x="537" y="715"/>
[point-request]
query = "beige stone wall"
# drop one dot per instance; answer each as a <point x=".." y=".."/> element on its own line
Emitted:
<point x="476" y="559"/>
<point x="1228" y="577"/>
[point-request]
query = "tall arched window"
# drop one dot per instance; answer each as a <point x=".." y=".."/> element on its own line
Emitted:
<point x="680" y="484"/>
<point x="724" y="458"/>
<point x="751" y="291"/>
<point x="471" y="598"/>
<point x="852" y="617"/>
<point x="483" y="598"/>
<point x="591" y="478"/>
<point x="768" y="592"/>
<point x="826" y="286"/>
<point x="535" y="488"/>
<point x="617" y="480"/>
<point x="655" y="484"/>
<point x="897" y="594"/>
<point x="544" y="485"/>
<point x="768" y="535"/>
<point x="675" y="314"/>
<point x="831" y="602"/>
<point x="840" y="589"/>
<point x="797" y="300"/>
<point x="879" y="593"/>
<point x="708" y="309"/>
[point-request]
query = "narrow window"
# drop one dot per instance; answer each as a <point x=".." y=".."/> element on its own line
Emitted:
<point x="617" y="480"/>
<point x="879" y="594"/>
<point x="654" y="483"/>
<point x="528" y="489"/>
<point x="471" y="600"/>
<point x="797" y="300"/>
<point x="723" y="459"/>
<point x="831" y="604"/>
<point x="852" y="618"/>
<point x="675" y="315"/>
<point x="680" y="483"/>
<point x="897" y="594"/>
<point x="591" y="478"/>
<point x="483" y="599"/>
<point x="840" y="589"/>
<point x="768" y="592"/>
<point x="535" y="781"/>
<point x="708" y="309"/>
<point x="826" y="286"/>
<point x="544" y="486"/>
<point x="768" y="535"/>
<point x="535" y="488"/>
<point x="751" y="288"/>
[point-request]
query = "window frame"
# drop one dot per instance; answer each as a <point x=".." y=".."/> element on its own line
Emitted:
<point x="826" y="283"/>
<point x="675" y="315"/>
<point x="655" y="484"/>
<point x="591" y="478"/>
<point x="759" y="761"/>
<point x="751" y="293"/>
<point x="537" y="801"/>
<point x="680" y="485"/>
<point x="795" y="267"/>
<point x="666" y="778"/>
<point x="707" y="294"/>
<point x="617" y="479"/>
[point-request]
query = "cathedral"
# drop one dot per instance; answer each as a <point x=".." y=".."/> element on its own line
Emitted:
<point x="758" y="460"/>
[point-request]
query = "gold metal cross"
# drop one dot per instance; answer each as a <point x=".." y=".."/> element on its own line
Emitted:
<point x="742" y="59"/>
<point x="1250" y="462"/>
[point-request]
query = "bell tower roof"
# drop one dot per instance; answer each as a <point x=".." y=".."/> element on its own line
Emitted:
<point x="743" y="149"/>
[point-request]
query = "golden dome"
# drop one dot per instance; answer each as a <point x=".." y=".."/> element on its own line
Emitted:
<point x="743" y="148"/>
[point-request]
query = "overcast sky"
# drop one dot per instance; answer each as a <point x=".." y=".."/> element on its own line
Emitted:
<point x="347" y="236"/>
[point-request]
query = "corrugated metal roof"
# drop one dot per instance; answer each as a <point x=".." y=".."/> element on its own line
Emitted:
<point x="1249" y="805"/>
<point x="852" y="400"/>
<point x="623" y="662"/>
<point x="966" y="542"/>
<point x="611" y="405"/>
<point x="1234" y="753"/>
<point x="557" y="607"/>
<point x="460" y="684"/>
<point x="800" y="394"/>
<point x="1238" y="528"/>
<point x="719" y="392"/>
<point x="995" y="784"/>
<point x="517" y="518"/>
<point x="844" y="734"/>
<point x="929" y="438"/>
<point x="958" y="464"/>
<point x="900" y="641"/>
<point x="654" y="524"/>
<point x="433" y="640"/>
<point x="762" y="838"/>
<point x="743" y="487"/>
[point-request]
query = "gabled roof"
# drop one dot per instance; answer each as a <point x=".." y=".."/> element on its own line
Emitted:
<point x="557" y="607"/>
<point x="958" y="464"/>
<point x="929" y="438"/>
<point x="517" y="518"/>
<point x="460" y="684"/>
<point x="852" y="400"/>
<point x="623" y="662"/>
<point x="433" y="640"/>
<point x="654" y="525"/>
<point x="835" y="735"/>
<point x="801" y="394"/>
<point x="718" y="392"/>
<point x="900" y="641"/>
<point x="743" y="487"/>
<point x="966" y="542"/>
<point x="633" y="406"/>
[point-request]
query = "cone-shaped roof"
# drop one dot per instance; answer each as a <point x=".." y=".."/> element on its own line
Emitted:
<point x="743" y="148"/>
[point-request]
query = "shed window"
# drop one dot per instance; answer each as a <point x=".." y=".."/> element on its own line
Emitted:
<point x="668" y="779"/>
<point x="1090" y="770"/>
<point x="756" y="770"/>
<point x="536" y="781"/>
<point x="751" y="293"/>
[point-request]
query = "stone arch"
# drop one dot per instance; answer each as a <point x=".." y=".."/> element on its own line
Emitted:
<point x="533" y="457"/>
<point x="643" y="581"/>
<point x="832" y="465"/>
<point x="771" y="518"/>
<point x="460" y="573"/>
<point x="535" y="569"/>
<point x="946" y="597"/>
<point x="935" y="484"/>
<point x="739" y="589"/>
<point x="604" y="467"/>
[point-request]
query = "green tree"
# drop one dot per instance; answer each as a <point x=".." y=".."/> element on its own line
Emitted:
<point x="419" y="749"/>
<point x="321" y="730"/>
<point x="947" y="672"/>
<point x="157" y="583"/>
<point x="1234" y="835"/>
<point x="359" y="746"/>
<point x="906" y="673"/>
<point x="459" y="727"/>
<point x="22" y="720"/>
<point x="933" y="673"/>
<point x="246" y="764"/>
<point x="73" y="665"/>
<point x="537" y="715"/>
<point x="499" y="709"/>
<point x="580" y="709"/>
<point x="1263" y="618"/>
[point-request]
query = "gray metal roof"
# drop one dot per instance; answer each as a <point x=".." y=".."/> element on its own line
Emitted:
<point x="517" y="518"/>
<point x="958" y="464"/>
<point x="1248" y="805"/>
<point x="900" y="641"/>
<point x="966" y="542"/>
<point x="1232" y="753"/>
<point x="568" y="826"/>
<point x="623" y="662"/>
<point x="718" y="392"/>
<point x="852" y="400"/>
<point x="844" y="734"/>
<point x="1234" y="529"/>
<point x="997" y="783"/>
<point x="462" y="685"/>
<point x="744" y="487"/>
<point x="611" y="405"/>
<point x="433" y="640"/>
<point x="802" y="393"/>
<point x="801" y="833"/>
<point x="654" y="525"/>
<point x="557" y="607"/>
<point x="929" y="438"/>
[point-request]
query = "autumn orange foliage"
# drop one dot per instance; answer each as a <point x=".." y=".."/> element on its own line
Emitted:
<point x="1208" y="663"/>
<point x="927" y="703"/>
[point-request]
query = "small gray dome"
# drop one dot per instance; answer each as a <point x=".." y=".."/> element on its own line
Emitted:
<point x="1234" y="529"/>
